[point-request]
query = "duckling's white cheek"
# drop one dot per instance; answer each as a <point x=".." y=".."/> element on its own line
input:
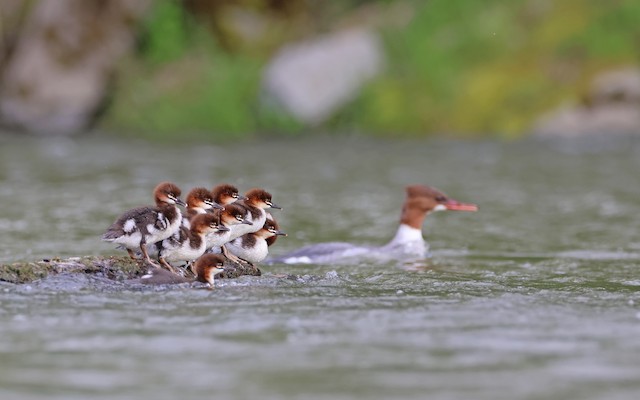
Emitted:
<point x="440" y="207"/>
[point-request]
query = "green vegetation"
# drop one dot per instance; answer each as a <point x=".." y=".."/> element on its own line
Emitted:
<point x="459" y="67"/>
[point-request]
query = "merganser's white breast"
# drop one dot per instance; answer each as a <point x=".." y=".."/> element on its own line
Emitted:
<point x="256" y="223"/>
<point x="249" y="248"/>
<point x="254" y="247"/>
<point x="407" y="243"/>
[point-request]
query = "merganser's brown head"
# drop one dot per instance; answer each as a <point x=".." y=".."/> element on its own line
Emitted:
<point x="201" y="198"/>
<point x="202" y="224"/>
<point x="431" y="199"/>
<point x="260" y="198"/>
<point x="207" y="267"/>
<point x="226" y="194"/>
<point x="273" y="229"/>
<point x="233" y="214"/>
<point x="168" y="193"/>
<point x="422" y="199"/>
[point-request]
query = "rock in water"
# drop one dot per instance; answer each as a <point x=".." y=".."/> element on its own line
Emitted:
<point x="119" y="269"/>
<point x="313" y="79"/>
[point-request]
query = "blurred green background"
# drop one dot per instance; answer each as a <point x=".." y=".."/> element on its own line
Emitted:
<point x="463" y="68"/>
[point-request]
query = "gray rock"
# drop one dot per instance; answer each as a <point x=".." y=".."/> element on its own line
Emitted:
<point x="580" y="120"/>
<point x="313" y="79"/>
<point x="64" y="58"/>
<point x="620" y="86"/>
<point x="613" y="106"/>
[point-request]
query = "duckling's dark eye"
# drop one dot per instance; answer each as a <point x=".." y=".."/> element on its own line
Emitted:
<point x="441" y="199"/>
<point x="234" y="195"/>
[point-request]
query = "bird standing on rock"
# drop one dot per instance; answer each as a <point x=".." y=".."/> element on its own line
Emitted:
<point x="187" y="245"/>
<point x="254" y="247"/>
<point x="146" y="225"/>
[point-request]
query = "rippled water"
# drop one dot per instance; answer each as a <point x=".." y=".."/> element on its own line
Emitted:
<point x="535" y="296"/>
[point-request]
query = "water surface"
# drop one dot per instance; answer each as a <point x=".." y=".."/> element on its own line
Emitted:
<point x="535" y="296"/>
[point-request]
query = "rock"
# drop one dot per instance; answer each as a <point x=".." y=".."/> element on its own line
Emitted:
<point x="620" y="86"/>
<point x="119" y="269"/>
<point x="612" y="106"/>
<point x="588" y="121"/>
<point x="11" y="18"/>
<point x="59" y="71"/>
<point x="313" y="79"/>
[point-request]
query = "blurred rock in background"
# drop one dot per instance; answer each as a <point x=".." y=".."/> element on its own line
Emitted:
<point x="233" y="69"/>
<point x="612" y="105"/>
<point x="313" y="79"/>
<point x="61" y="60"/>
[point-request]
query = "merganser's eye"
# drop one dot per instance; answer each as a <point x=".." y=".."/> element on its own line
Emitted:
<point x="234" y="195"/>
<point x="239" y="218"/>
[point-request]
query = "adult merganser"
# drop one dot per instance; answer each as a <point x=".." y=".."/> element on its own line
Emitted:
<point x="231" y="216"/>
<point x="199" y="200"/>
<point x="225" y="193"/>
<point x="206" y="268"/>
<point x="253" y="247"/>
<point x="188" y="244"/>
<point x="407" y="243"/>
<point x="139" y="226"/>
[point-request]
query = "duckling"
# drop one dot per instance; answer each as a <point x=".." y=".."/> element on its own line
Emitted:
<point x="253" y="247"/>
<point x="206" y="268"/>
<point x="199" y="200"/>
<point x="189" y="244"/>
<point x="139" y="226"/>
<point x="225" y="193"/>
<point x="257" y="200"/>
<point x="231" y="216"/>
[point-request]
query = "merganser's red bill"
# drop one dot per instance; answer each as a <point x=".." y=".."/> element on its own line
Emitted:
<point x="453" y="205"/>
